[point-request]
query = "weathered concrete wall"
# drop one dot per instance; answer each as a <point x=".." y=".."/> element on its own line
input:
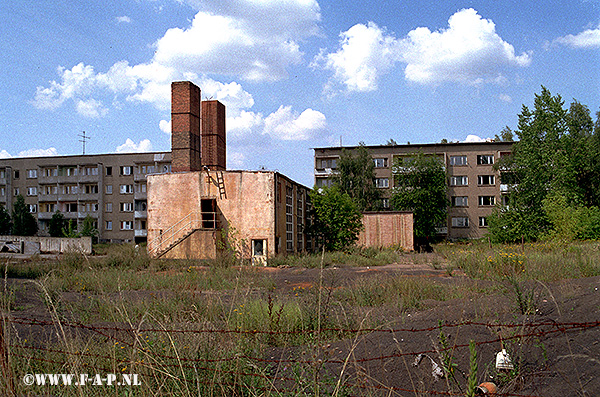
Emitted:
<point x="247" y="211"/>
<point x="53" y="244"/>
<point x="387" y="229"/>
<point x="171" y="197"/>
<point x="202" y="244"/>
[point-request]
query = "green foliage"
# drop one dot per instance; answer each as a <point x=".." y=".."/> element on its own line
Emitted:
<point x="5" y="221"/>
<point x="506" y="135"/>
<point x="70" y="230"/>
<point x="355" y="177"/>
<point x="472" y="379"/>
<point x="420" y="186"/>
<point x="24" y="224"/>
<point x="554" y="170"/>
<point x="88" y="228"/>
<point x="336" y="218"/>
<point x="56" y="224"/>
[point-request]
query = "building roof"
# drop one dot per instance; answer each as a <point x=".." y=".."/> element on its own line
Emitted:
<point x="417" y="145"/>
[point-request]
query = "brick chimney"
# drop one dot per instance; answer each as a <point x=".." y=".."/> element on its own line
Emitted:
<point x="213" y="135"/>
<point x="185" y="127"/>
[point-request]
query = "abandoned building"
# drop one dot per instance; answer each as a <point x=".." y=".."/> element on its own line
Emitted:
<point x="474" y="186"/>
<point x="201" y="207"/>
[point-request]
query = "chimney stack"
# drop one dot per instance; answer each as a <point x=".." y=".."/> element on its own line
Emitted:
<point x="213" y="135"/>
<point x="185" y="127"/>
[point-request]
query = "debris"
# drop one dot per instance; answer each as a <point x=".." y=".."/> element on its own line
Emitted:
<point x="436" y="370"/>
<point x="486" y="388"/>
<point x="503" y="361"/>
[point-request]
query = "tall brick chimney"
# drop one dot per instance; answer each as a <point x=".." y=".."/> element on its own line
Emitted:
<point x="185" y="127"/>
<point x="213" y="135"/>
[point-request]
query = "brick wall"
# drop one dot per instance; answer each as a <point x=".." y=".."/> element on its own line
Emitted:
<point x="185" y="127"/>
<point x="213" y="135"/>
<point x="387" y="229"/>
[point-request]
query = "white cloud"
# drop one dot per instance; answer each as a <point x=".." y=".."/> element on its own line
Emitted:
<point x="235" y="159"/>
<point x="165" y="126"/>
<point x="78" y="81"/>
<point x="38" y="152"/>
<point x="131" y="147"/>
<point x="475" y="138"/>
<point x="589" y="38"/>
<point x="365" y="53"/>
<point x="468" y="51"/>
<point x="285" y="124"/>
<point x="123" y="19"/>
<point x="4" y="154"/>
<point x="505" y="98"/>
<point x="91" y="108"/>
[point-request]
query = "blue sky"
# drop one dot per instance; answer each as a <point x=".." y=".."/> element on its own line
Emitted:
<point x="294" y="74"/>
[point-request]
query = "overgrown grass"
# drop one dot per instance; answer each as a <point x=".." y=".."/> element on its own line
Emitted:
<point x="355" y="256"/>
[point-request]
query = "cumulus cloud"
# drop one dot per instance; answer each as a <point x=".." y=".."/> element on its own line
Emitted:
<point x="38" y="152"/>
<point x="131" y="147"/>
<point x="123" y="19"/>
<point x="236" y="159"/>
<point x="165" y="126"/>
<point x="91" y="108"/>
<point x="505" y="98"/>
<point x="365" y="53"/>
<point x="589" y="38"/>
<point x="76" y="82"/>
<point x="475" y="138"/>
<point x="468" y="51"/>
<point x="285" y="124"/>
<point x="4" y="154"/>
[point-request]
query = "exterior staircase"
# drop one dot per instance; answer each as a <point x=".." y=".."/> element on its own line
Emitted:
<point x="177" y="233"/>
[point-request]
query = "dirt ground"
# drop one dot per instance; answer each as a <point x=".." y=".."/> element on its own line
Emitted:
<point x="556" y="349"/>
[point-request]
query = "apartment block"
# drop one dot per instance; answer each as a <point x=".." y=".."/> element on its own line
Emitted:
<point x="474" y="186"/>
<point x="111" y="188"/>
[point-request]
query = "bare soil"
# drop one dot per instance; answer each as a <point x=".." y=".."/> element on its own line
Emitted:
<point x="555" y="348"/>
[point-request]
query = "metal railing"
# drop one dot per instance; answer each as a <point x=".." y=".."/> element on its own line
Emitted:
<point x="185" y="226"/>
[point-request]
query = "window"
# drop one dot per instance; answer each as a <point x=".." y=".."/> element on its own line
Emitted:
<point x="49" y="208"/>
<point x="487" y="200"/>
<point x="381" y="163"/>
<point x="69" y="189"/>
<point x="108" y="225"/>
<point x="458" y="160"/>
<point x="126" y="170"/>
<point x="16" y="174"/>
<point x="108" y="171"/>
<point x="141" y="188"/>
<point x="32" y="208"/>
<point x="483" y="221"/>
<point x="91" y="207"/>
<point x="460" y="221"/>
<point x="31" y="173"/>
<point x="91" y="189"/>
<point x="32" y="191"/>
<point x="126" y="189"/>
<point x="485" y="159"/>
<point x="382" y="182"/>
<point x="108" y="207"/>
<point x="50" y="190"/>
<point x="127" y="225"/>
<point x="460" y="201"/>
<point x="71" y="171"/>
<point x="505" y="200"/>
<point x="126" y="207"/>
<point x="385" y="203"/>
<point x="2" y="174"/>
<point x="324" y="182"/>
<point x="91" y="171"/>
<point x="17" y="191"/>
<point x="459" y="181"/>
<point x="166" y="168"/>
<point x="71" y="207"/>
<point x="486" y="180"/>
<point x="2" y="191"/>
<point x="328" y="163"/>
<point x="108" y="189"/>
<point x="50" y="172"/>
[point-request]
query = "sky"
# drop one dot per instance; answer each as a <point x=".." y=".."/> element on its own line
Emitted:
<point x="293" y="74"/>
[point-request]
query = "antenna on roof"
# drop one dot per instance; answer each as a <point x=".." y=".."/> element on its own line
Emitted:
<point x="83" y="139"/>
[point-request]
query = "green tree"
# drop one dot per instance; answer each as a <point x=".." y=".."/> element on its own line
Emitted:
<point x="336" y="218"/>
<point x="5" y="221"/>
<point x="356" y="177"/>
<point x="88" y="228"/>
<point x="70" y="229"/>
<point x="506" y="135"/>
<point x="56" y="224"/>
<point x="554" y="168"/>
<point x="420" y="187"/>
<point x="24" y="224"/>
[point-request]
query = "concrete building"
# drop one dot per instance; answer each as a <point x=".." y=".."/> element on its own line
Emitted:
<point x="474" y="186"/>
<point x="201" y="207"/>
<point x="111" y="188"/>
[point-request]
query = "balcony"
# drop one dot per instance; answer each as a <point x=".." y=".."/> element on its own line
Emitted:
<point x="68" y="197"/>
<point x="441" y="230"/>
<point x="324" y="171"/>
<point x="83" y="214"/>
<point x="45" y="215"/>
<point x="49" y="180"/>
<point x="139" y="177"/>
<point x="140" y="196"/>
<point x="89" y="178"/>
<point x="141" y="214"/>
<point x="141" y="233"/>
<point x="48" y="197"/>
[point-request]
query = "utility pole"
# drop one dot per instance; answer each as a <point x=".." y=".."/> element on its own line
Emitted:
<point x="83" y="139"/>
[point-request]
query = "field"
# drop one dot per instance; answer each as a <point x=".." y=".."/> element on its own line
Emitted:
<point x="363" y="323"/>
